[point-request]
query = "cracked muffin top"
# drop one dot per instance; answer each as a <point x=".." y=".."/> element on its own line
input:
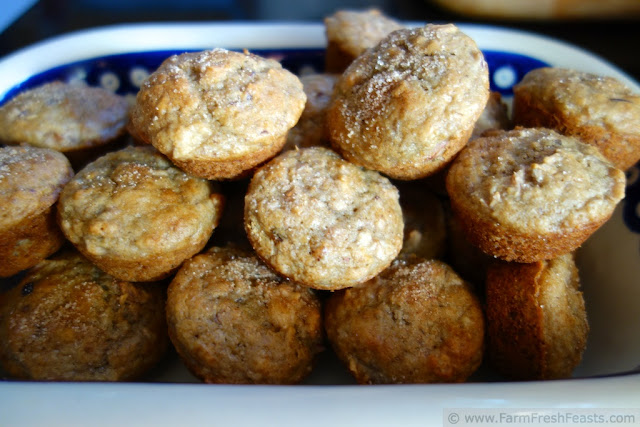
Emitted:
<point x="599" y="110"/>
<point x="134" y="203"/>
<point x="535" y="180"/>
<point x="218" y="106"/>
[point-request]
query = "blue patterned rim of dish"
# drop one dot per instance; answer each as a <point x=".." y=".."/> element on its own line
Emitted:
<point x="124" y="73"/>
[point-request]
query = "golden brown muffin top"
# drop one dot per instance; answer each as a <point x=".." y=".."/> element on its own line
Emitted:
<point x="225" y="269"/>
<point x="535" y="180"/>
<point x="356" y="31"/>
<point x="252" y="326"/>
<point x="63" y="116"/>
<point x="68" y="320"/>
<point x="134" y="203"/>
<point x="587" y="99"/>
<point x="31" y="180"/>
<point x="233" y="274"/>
<point x="216" y="104"/>
<point x="415" y="281"/>
<point x="417" y="321"/>
<point x="400" y="105"/>
<point x="321" y="220"/>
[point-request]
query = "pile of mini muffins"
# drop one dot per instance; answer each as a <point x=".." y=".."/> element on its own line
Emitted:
<point x="390" y="208"/>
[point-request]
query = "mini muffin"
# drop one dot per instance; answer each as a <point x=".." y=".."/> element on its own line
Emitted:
<point x="311" y="129"/>
<point x="69" y="321"/>
<point x="417" y="322"/>
<point x="536" y="321"/>
<point x="65" y="117"/>
<point x="31" y="180"/>
<point x="494" y="116"/>
<point x="136" y="215"/>
<point x="350" y="32"/>
<point x="233" y="320"/>
<point x="216" y="114"/>
<point x="599" y="110"/>
<point x="322" y="221"/>
<point x="532" y="194"/>
<point x="408" y="105"/>
<point x="425" y="233"/>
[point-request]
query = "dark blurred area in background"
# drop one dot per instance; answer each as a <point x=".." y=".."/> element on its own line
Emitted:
<point x="615" y="39"/>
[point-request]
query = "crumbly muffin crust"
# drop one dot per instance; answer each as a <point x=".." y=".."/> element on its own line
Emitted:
<point x="599" y="110"/>
<point x="417" y="322"/>
<point x="322" y="221"/>
<point x="217" y="113"/>
<point x="31" y="180"/>
<point x="136" y="215"/>
<point x="64" y="117"/>
<point x="233" y="320"/>
<point x="350" y="32"/>
<point x="69" y="321"/>
<point x="536" y="320"/>
<point x="532" y="194"/>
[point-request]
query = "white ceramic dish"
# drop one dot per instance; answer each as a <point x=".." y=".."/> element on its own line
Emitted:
<point x="609" y="265"/>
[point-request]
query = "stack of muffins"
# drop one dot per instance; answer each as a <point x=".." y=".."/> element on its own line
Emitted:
<point x="389" y="208"/>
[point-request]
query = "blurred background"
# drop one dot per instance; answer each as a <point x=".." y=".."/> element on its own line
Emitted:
<point x="609" y="28"/>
